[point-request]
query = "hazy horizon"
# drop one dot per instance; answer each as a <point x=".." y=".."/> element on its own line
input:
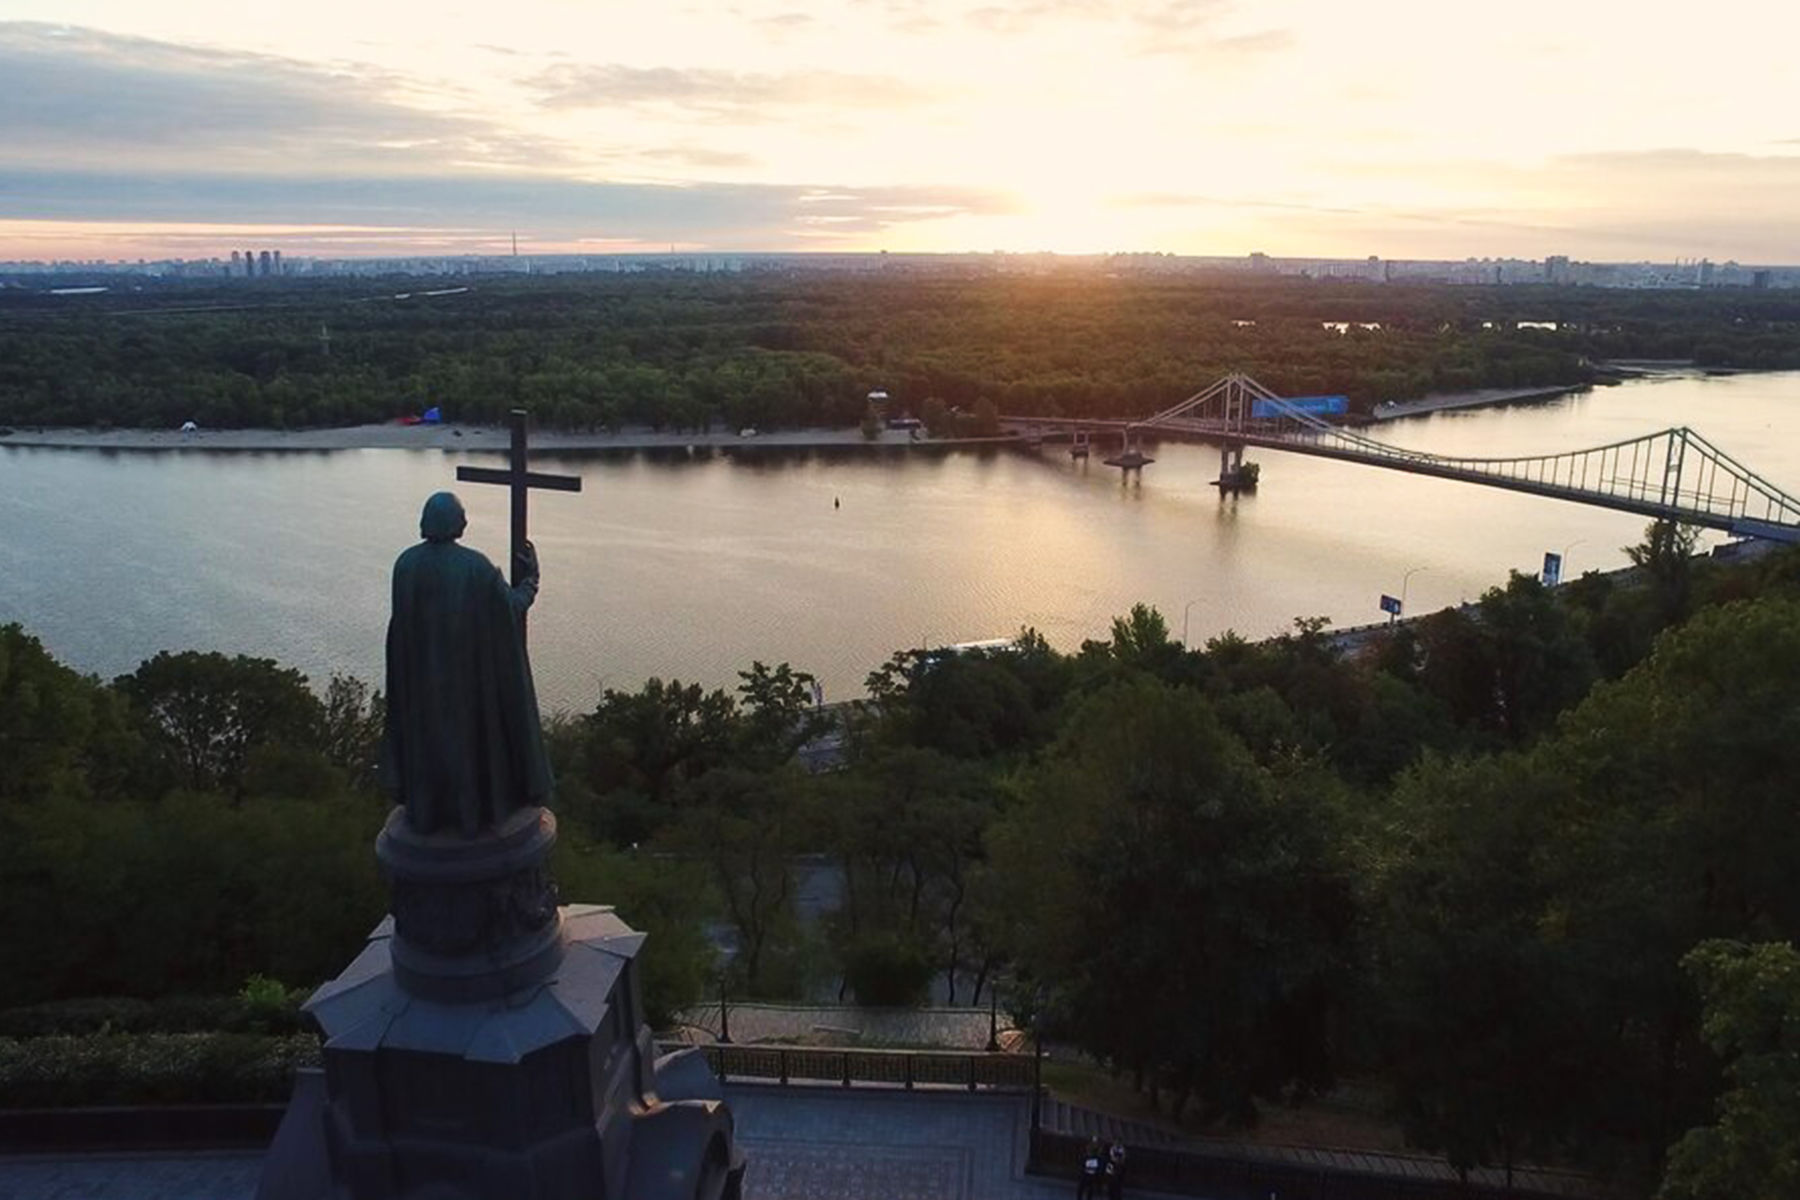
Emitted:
<point x="1300" y="128"/>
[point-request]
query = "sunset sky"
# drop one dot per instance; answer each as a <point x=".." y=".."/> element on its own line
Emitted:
<point x="1402" y="128"/>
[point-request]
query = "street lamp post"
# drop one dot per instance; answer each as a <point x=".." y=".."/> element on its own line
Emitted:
<point x="1184" y="620"/>
<point x="1404" y="581"/>
<point x="993" y="1046"/>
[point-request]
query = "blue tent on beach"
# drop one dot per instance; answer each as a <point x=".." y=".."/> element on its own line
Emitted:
<point x="433" y="416"/>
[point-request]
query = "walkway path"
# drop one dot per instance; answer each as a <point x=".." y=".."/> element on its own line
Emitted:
<point x="187" y="1176"/>
<point x="804" y="1144"/>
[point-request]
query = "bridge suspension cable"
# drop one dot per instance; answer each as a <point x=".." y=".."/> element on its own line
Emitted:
<point x="1673" y="474"/>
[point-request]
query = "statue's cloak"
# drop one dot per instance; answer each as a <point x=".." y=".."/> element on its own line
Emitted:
<point x="462" y="747"/>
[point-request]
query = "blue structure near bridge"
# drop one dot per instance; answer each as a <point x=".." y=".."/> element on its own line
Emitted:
<point x="1312" y="406"/>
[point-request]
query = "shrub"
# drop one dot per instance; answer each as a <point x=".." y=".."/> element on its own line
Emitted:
<point x="887" y="972"/>
<point x="258" y="1009"/>
<point x="154" y="1068"/>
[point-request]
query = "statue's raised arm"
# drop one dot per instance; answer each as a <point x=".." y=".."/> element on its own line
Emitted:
<point x="462" y="748"/>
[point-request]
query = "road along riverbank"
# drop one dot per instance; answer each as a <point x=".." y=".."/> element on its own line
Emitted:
<point x="463" y="438"/>
<point x="1481" y="398"/>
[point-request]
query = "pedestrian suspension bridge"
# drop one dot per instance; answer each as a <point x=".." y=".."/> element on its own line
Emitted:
<point x="1672" y="475"/>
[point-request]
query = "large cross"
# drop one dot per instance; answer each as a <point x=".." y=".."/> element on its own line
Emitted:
<point x="519" y="479"/>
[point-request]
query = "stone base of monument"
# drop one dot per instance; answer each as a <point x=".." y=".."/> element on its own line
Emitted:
<point x="515" y="1067"/>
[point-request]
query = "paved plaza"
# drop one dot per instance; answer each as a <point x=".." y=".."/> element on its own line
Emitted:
<point x="804" y="1144"/>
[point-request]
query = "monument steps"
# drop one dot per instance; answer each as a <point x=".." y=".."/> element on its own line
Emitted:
<point x="1059" y="1116"/>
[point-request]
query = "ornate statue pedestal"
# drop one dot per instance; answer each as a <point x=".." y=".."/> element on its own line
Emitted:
<point x="474" y="918"/>
<point x="486" y="1044"/>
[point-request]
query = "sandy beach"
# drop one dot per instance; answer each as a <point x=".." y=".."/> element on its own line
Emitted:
<point x="450" y="437"/>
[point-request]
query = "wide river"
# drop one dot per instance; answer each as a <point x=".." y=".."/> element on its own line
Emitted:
<point x="691" y="569"/>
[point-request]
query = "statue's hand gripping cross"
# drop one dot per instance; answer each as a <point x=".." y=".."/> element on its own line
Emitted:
<point x="519" y="478"/>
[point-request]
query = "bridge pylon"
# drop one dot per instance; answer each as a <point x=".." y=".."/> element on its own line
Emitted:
<point x="1235" y="475"/>
<point x="1131" y="456"/>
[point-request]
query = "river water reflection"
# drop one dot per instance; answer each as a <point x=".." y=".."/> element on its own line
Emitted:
<point x="690" y="569"/>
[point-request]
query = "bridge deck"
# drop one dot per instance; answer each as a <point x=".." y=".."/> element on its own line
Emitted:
<point x="1642" y="492"/>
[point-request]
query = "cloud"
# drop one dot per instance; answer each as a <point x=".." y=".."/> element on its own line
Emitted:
<point x="1188" y="27"/>
<point x="75" y="95"/>
<point x="1178" y="18"/>
<point x="695" y="156"/>
<point x="740" y="96"/>
<point x="780" y="25"/>
<point x="1201" y="200"/>
<point x="716" y="215"/>
<point x="1263" y="41"/>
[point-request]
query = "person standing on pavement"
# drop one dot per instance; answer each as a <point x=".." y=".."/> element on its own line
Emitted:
<point x="1115" y="1171"/>
<point x="1089" y="1170"/>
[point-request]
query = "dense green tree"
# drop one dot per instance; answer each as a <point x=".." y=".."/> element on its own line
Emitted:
<point x="1179" y="901"/>
<point x="662" y="896"/>
<point x="906" y="829"/>
<point x="1511" y="665"/>
<point x="1666" y="555"/>
<point x="208" y="713"/>
<point x="1479" y="1004"/>
<point x="746" y="828"/>
<point x="352" y="727"/>
<point x="778" y="714"/>
<point x="1752" y="1020"/>
<point x="968" y="704"/>
<point x="680" y="350"/>
<point x="638" y="749"/>
<point x="60" y="733"/>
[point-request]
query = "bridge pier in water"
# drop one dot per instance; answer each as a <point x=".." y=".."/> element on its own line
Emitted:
<point x="1129" y="458"/>
<point x="1235" y="475"/>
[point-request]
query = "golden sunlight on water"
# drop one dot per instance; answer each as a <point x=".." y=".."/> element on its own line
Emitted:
<point x="693" y="568"/>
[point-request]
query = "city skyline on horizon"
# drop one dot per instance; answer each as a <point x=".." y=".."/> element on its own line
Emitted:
<point x="229" y="258"/>
<point x="1196" y="127"/>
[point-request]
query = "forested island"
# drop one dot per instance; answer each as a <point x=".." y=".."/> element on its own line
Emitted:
<point x="1526" y="869"/>
<point x="773" y="349"/>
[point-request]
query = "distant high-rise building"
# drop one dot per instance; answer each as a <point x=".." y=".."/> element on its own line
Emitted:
<point x="249" y="262"/>
<point x="278" y="262"/>
<point x="1260" y="262"/>
<point x="1556" y="268"/>
<point x="235" y="256"/>
<point x="1759" y="280"/>
<point x="263" y="264"/>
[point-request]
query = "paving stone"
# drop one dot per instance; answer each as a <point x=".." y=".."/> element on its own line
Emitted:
<point x="131" y="1177"/>
<point x="803" y="1143"/>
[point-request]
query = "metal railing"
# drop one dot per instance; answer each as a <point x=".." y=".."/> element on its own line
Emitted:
<point x="900" y="1069"/>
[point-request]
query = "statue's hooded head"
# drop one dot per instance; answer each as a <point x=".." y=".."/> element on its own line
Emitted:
<point x="443" y="519"/>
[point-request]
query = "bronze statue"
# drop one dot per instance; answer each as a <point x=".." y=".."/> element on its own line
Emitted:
<point x="462" y="748"/>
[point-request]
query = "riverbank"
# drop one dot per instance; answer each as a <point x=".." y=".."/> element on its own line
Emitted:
<point x="1480" y="398"/>
<point x="477" y="438"/>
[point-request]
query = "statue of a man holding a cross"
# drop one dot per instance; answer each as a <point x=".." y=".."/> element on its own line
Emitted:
<point x="462" y="748"/>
